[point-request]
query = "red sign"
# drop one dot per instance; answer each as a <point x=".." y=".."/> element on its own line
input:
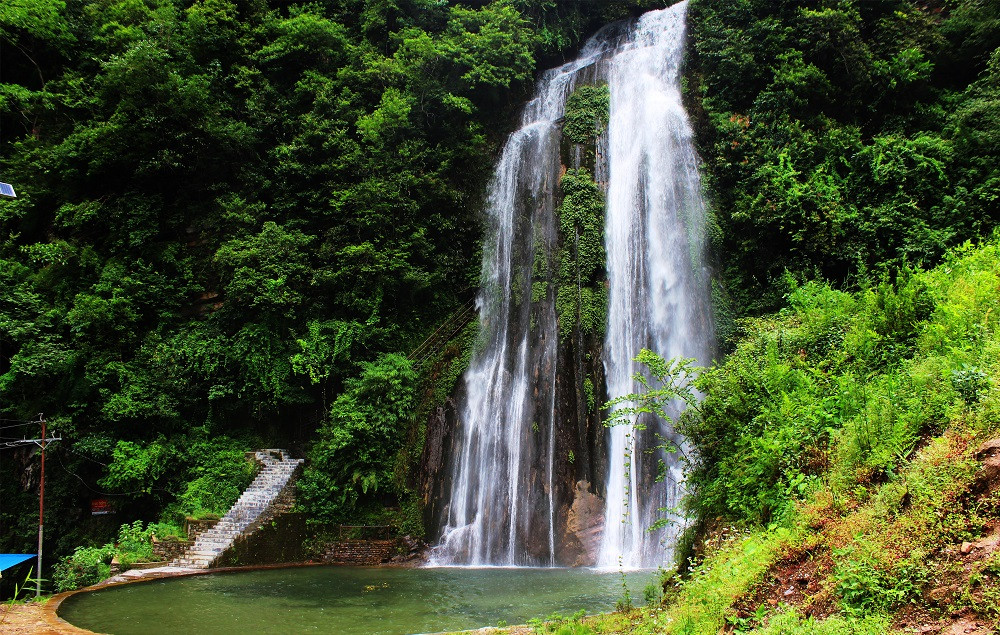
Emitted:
<point x="99" y="507"/>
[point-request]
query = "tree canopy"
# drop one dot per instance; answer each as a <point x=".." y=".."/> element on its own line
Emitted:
<point x="228" y="211"/>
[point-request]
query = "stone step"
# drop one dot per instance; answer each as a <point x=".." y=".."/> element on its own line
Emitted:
<point x="272" y="479"/>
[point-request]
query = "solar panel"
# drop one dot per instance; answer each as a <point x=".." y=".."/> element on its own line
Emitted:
<point x="6" y="189"/>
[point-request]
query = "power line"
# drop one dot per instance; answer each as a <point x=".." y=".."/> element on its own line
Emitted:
<point x="84" y="483"/>
<point x="17" y="426"/>
<point x="39" y="442"/>
<point x="84" y="456"/>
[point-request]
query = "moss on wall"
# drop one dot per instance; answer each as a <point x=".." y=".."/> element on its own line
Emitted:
<point x="587" y="113"/>
<point x="581" y="296"/>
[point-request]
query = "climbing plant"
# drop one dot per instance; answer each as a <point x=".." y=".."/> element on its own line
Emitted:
<point x="581" y="296"/>
<point x="587" y="112"/>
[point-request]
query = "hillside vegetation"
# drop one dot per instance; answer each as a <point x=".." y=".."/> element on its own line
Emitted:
<point x="844" y="460"/>
<point x="843" y="470"/>
<point x="235" y="219"/>
<point x="843" y="138"/>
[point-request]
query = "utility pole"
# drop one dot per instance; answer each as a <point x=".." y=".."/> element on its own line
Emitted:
<point x="41" y="510"/>
<point x="41" y="443"/>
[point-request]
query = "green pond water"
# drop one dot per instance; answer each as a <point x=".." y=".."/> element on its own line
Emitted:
<point x="346" y="600"/>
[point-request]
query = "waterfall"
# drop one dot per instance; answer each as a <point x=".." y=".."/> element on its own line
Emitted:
<point x="659" y="285"/>
<point x="503" y="501"/>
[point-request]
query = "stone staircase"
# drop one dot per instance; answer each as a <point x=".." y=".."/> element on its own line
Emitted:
<point x="255" y="505"/>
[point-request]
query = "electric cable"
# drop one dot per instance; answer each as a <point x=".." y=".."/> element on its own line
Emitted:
<point x="17" y="425"/>
<point x="85" y="484"/>
<point x="84" y="456"/>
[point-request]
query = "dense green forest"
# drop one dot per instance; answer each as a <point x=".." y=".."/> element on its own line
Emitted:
<point x="236" y="220"/>
<point x="836" y="468"/>
<point x="843" y="139"/>
<point x="845" y="143"/>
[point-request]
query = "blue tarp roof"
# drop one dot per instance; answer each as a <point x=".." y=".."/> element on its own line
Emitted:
<point x="8" y="560"/>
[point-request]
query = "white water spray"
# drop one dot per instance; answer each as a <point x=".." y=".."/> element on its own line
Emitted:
<point x="659" y="285"/>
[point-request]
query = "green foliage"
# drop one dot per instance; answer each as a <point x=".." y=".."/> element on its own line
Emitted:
<point x="587" y="112"/>
<point x="167" y="531"/>
<point x="652" y="593"/>
<point x="840" y="387"/>
<point x="581" y="295"/>
<point x="864" y="588"/>
<point x="968" y="382"/>
<point x="557" y="624"/>
<point x="733" y="564"/>
<point x="186" y="475"/>
<point x="588" y="391"/>
<point x="218" y="475"/>
<point x="90" y="565"/>
<point x="842" y="137"/>
<point x="791" y="622"/>
<point x="227" y="209"/>
<point x="662" y="383"/>
<point x="86" y="566"/>
<point x="134" y="543"/>
<point x="357" y="446"/>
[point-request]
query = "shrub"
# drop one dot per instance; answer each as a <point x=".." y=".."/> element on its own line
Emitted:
<point x="219" y="472"/>
<point x="866" y="588"/>
<point x="167" y="531"/>
<point x="355" y="454"/>
<point x="86" y="566"/>
<point x="134" y="543"/>
<point x="791" y="622"/>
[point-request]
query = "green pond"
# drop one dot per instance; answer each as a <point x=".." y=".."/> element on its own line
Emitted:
<point x="346" y="600"/>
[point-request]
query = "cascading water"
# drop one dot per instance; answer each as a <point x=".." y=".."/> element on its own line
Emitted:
<point x="503" y="503"/>
<point x="659" y="284"/>
<point x="502" y="495"/>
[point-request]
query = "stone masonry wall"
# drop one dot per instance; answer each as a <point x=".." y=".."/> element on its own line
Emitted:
<point x="366" y="552"/>
<point x="169" y="549"/>
<point x="194" y="527"/>
<point x="276" y="542"/>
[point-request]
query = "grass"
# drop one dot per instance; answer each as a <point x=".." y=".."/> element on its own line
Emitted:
<point x="846" y="427"/>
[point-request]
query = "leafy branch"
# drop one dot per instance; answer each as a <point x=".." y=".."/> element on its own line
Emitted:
<point x="665" y="382"/>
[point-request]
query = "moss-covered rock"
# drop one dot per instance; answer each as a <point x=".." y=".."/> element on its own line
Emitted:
<point x="581" y="297"/>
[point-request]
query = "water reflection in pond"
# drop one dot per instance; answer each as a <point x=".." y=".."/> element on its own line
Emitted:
<point x="346" y="600"/>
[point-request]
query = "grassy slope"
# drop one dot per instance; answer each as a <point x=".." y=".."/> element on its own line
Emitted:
<point x="866" y="514"/>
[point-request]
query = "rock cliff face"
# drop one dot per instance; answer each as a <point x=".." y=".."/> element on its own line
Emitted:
<point x="579" y="468"/>
<point x="562" y="490"/>
<point x="581" y="448"/>
<point x="433" y="477"/>
<point x="584" y="524"/>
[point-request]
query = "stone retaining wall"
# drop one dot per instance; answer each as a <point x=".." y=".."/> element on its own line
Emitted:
<point x="169" y="549"/>
<point x="366" y="552"/>
<point x="277" y="541"/>
<point x="195" y="527"/>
